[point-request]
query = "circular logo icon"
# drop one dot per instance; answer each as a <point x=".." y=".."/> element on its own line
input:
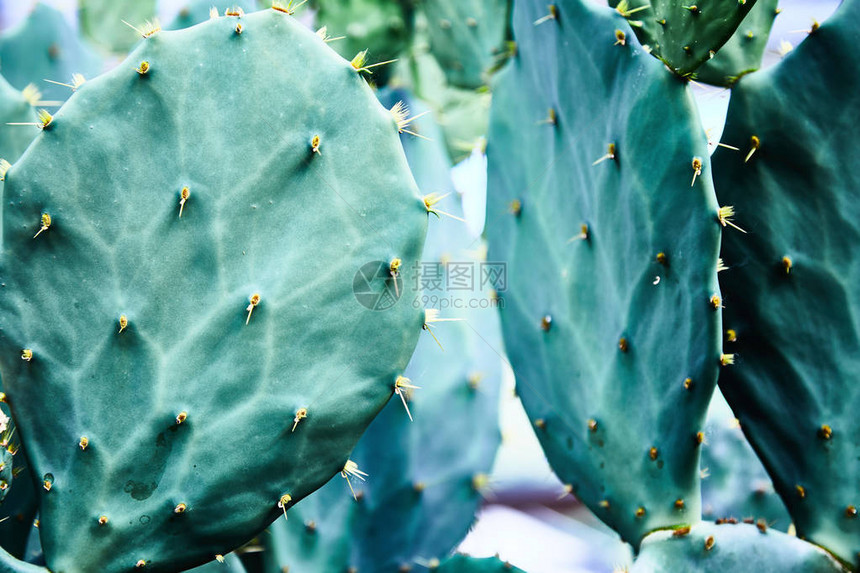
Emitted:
<point x="375" y="287"/>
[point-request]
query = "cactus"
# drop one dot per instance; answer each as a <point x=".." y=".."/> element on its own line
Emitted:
<point x="383" y="28"/>
<point x="611" y="317"/>
<point x="44" y="47"/>
<point x="709" y="548"/>
<point x="742" y="54"/>
<point x="735" y="485"/>
<point x="155" y="362"/>
<point x="102" y="22"/>
<point x="466" y="564"/>
<point x="427" y="464"/>
<point x="789" y="289"/>
<point x="684" y="35"/>
<point x="468" y="37"/>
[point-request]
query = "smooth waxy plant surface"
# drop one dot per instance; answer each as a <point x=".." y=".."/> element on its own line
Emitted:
<point x="601" y="204"/>
<point x="790" y="294"/>
<point x="155" y="362"/>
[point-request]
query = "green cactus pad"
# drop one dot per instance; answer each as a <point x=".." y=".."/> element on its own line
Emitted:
<point x="466" y="564"/>
<point x="468" y="37"/>
<point x="611" y="244"/>
<point x="382" y="27"/>
<point x="709" y="548"/>
<point x="142" y="324"/>
<point x="736" y="484"/>
<point x="426" y="476"/>
<point x="102" y="22"/>
<point x="41" y="47"/>
<point x="684" y="34"/>
<point x="742" y="54"/>
<point x="790" y="289"/>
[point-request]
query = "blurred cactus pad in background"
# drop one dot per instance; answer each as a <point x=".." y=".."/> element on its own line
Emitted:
<point x="458" y="286"/>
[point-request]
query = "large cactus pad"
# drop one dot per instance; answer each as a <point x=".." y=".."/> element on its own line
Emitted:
<point x="791" y="295"/>
<point x="611" y="315"/>
<point x="156" y="362"/>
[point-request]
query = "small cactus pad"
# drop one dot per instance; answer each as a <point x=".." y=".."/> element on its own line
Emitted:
<point x="601" y="203"/>
<point x="791" y="294"/>
<point x="743" y="53"/>
<point x="427" y="476"/>
<point x="103" y="22"/>
<point x="44" y="47"/>
<point x="467" y="37"/>
<point x="709" y="548"/>
<point x="194" y="248"/>
<point x="683" y="34"/>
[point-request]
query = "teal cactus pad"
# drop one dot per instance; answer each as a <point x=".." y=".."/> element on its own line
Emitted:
<point x="684" y="34"/>
<point x="790" y="289"/>
<point x="142" y="324"/>
<point x="468" y="37"/>
<point x="743" y="53"/>
<point x="736" y="484"/>
<point x="41" y="47"/>
<point x="709" y="548"/>
<point x="466" y="564"/>
<point x="102" y="22"/>
<point x="420" y="497"/>
<point x="611" y="245"/>
<point x="382" y="27"/>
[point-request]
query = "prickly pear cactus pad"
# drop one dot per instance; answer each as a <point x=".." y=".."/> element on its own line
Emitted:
<point x="466" y="564"/>
<point x="683" y="34"/>
<point x="44" y="47"/>
<point x="790" y="295"/>
<point x="467" y="37"/>
<point x="743" y="52"/>
<point x="102" y="22"/>
<point x="426" y="475"/>
<point x="709" y="548"/>
<point x="197" y="225"/>
<point x="382" y="27"/>
<point x="601" y="203"/>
